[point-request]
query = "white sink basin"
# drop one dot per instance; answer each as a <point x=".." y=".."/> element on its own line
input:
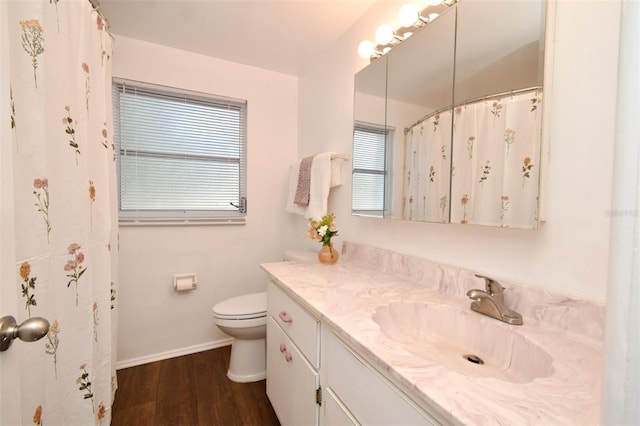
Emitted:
<point x="448" y="336"/>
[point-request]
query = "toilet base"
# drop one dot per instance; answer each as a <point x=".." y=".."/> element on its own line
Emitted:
<point x="248" y="361"/>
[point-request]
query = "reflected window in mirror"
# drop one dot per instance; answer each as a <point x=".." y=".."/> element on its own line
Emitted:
<point x="371" y="162"/>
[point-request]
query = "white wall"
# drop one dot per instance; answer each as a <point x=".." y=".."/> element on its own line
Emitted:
<point x="569" y="252"/>
<point x="153" y="319"/>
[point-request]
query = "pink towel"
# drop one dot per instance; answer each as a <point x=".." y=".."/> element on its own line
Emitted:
<point x="304" y="182"/>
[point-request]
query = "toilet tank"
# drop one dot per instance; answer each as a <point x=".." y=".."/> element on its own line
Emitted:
<point x="301" y="256"/>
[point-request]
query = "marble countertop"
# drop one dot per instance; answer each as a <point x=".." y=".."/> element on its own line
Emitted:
<point x="346" y="295"/>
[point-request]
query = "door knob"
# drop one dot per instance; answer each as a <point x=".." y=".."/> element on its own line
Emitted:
<point x="29" y="331"/>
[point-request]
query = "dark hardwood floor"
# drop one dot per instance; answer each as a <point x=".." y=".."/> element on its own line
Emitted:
<point x="189" y="390"/>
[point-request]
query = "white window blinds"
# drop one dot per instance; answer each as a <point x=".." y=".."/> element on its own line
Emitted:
<point x="181" y="155"/>
<point x="370" y="174"/>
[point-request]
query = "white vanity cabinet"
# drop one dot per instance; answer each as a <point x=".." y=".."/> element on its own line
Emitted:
<point x="315" y="378"/>
<point x="293" y="359"/>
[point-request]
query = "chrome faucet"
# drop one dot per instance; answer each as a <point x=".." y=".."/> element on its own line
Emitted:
<point x="491" y="302"/>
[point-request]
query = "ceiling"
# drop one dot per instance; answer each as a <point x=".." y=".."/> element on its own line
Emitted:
<point x="278" y="35"/>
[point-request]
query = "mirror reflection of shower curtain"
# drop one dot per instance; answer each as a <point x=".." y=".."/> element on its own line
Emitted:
<point x="496" y="161"/>
<point x="427" y="169"/>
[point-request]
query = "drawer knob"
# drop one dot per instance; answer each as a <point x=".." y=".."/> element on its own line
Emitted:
<point x="283" y="347"/>
<point x="284" y="316"/>
<point x="288" y="356"/>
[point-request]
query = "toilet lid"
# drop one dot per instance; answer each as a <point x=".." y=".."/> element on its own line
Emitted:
<point x="242" y="307"/>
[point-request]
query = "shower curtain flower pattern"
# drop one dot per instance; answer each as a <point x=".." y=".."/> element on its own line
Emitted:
<point x="495" y="171"/>
<point x="496" y="145"/>
<point x="29" y="283"/>
<point x="427" y="169"/>
<point x="32" y="42"/>
<point x="41" y="193"/>
<point x="74" y="267"/>
<point x="66" y="239"/>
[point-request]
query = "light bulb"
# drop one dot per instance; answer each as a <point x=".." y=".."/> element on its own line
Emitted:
<point x="408" y="15"/>
<point x="384" y="34"/>
<point x="434" y="2"/>
<point x="366" y="49"/>
<point x="433" y="16"/>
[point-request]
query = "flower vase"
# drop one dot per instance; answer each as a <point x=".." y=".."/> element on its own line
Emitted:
<point x="328" y="254"/>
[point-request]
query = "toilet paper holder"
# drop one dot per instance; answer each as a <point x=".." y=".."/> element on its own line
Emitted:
<point x="184" y="282"/>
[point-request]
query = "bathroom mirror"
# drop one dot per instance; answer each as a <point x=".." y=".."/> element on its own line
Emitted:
<point x="420" y="75"/>
<point x="497" y="115"/>
<point x="501" y="64"/>
<point x="390" y="107"/>
<point x="370" y="160"/>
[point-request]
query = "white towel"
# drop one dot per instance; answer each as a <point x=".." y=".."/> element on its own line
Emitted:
<point x="336" y="171"/>
<point x="318" y="187"/>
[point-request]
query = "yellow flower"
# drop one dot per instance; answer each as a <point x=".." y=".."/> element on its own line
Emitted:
<point x="31" y="23"/>
<point x="37" y="415"/>
<point x="25" y="270"/>
<point x="54" y="327"/>
<point x="101" y="411"/>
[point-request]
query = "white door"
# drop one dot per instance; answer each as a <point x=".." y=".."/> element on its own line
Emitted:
<point x="9" y="362"/>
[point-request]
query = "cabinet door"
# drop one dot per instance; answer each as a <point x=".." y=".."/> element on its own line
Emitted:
<point x="369" y="397"/>
<point x="291" y="380"/>
<point x="334" y="413"/>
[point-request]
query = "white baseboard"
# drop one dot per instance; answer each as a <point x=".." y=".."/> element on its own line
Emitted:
<point x="172" y="354"/>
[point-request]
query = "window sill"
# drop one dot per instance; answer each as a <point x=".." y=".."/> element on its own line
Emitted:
<point x="181" y="222"/>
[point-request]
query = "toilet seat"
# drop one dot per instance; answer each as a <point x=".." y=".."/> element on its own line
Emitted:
<point x="246" y="307"/>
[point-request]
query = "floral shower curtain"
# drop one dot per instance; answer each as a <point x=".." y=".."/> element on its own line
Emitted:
<point x="427" y="169"/>
<point x="496" y="161"/>
<point x="65" y="203"/>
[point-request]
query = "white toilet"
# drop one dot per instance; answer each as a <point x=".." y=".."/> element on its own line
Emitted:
<point x="245" y="319"/>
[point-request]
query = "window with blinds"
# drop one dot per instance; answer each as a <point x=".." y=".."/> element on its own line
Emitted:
<point x="370" y="170"/>
<point x="181" y="155"/>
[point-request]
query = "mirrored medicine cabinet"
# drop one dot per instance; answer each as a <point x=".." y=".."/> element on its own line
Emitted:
<point x="447" y="125"/>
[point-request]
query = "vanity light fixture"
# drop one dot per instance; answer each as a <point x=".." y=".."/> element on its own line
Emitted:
<point x="366" y="49"/>
<point x="409" y="17"/>
<point x="384" y="34"/>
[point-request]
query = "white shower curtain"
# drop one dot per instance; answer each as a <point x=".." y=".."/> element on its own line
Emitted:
<point x="496" y="161"/>
<point x="427" y="169"/>
<point x="65" y="207"/>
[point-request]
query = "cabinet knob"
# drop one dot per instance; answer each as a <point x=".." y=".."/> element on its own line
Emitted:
<point x="284" y="316"/>
<point x="283" y="347"/>
<point x="288" y="357"/>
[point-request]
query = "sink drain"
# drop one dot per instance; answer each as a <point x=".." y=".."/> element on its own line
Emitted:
<point x="473" y="359"/>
